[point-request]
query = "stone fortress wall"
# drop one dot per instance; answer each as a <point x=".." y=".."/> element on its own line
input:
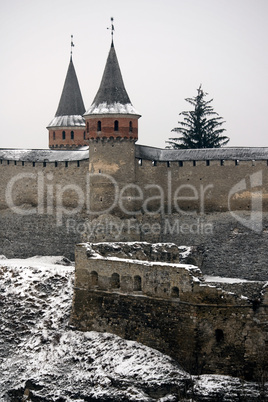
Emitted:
<point x="224" y="244"/>
<point x="140" y="291"/>
<point x="35" y="199"/>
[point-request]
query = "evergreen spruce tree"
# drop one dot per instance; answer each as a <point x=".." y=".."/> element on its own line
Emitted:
<point x="201" y="128"/>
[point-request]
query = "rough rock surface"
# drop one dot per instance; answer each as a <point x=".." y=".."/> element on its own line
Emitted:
<point x="43" y="359"/>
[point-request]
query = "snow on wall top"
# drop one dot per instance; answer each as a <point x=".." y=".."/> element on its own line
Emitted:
<point x="141" y="152"/>
<point x="44" y="155"/>
<point x="235" y="153"/>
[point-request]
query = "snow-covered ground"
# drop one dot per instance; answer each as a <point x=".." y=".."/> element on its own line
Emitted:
<point x="43" y="359"/>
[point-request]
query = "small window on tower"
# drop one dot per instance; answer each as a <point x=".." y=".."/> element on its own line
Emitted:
<point x="53" y="135"/>
<point x="72" y="135"/>
<point x="84" y="135"/>
<point x="116" y="125"/>
<point x="87" y="127"/>
<point x="99" y="126"/>
<point x="63" y="135"/>
<point x="130" y="127"/>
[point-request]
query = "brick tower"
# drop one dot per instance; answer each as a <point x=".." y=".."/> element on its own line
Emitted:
<point x="112" y="126"/>
<point x="111" y="115"/>
<point x="68" y="130"/>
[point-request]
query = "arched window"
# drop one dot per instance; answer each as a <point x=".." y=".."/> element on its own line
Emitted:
<point x="87" y="127"/>
<point x="84" y="135"/>
<point x="115" y="281"/>
<point x="175" y="292"/>
<point x="94" y="277"/>
<point x="116" y="125"/>
<point x="137" y="283"/>
<point x="130" y="127"/>
<point x="53" y="135"/>
<point x="99" y="126"/>
<point x="63" y="135"/>
<point x="219" y="335"/>
<point x="72" y="135"/>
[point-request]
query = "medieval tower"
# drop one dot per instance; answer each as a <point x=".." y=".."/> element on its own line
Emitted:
<point x="112" y="127"/>
<point x="67" y="129"/>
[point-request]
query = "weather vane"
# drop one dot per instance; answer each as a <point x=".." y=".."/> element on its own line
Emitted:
<point x="72" y="45"/>
<point x="112" y="28"/>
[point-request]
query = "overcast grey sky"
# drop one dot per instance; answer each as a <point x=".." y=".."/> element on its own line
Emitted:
<point x="165" y="48"/>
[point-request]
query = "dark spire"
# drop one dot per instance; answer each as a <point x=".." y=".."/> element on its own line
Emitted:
<point x="112" y="89"/>
<point x="71" y="102"/>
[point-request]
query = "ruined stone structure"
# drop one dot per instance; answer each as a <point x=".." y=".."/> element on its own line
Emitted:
<point x="139" y="291"/>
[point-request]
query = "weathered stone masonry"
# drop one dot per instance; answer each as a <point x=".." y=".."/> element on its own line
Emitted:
<point x="229" y="249"/>
<point x="171" y="308"/>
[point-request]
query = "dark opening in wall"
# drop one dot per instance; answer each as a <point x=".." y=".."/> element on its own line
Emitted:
<point x="194" y="163"/>
<point x="207" y="163"/>
<point x="94" y="278"/>
<point x="66" y="164"/>
<point x="22" y="163"/>
<point x="168" y="164"/>
<point x="56" y="164"/>
<point x="116" y="125"/>
<point x="84" y="135"/>
<point x="44" y="164"/>
<point x="154" y="163"/>
<point x="15" y="162"/>
<point x="115" y="281"/>
<point x="222" y="162"/>
<point x="78" y="163"/>
<point x="63" y="135"/>
<point x="219" y="335"/>
<point x="130" y="127"/>
<point x="33" y="164"/>
<point x="137" y="283"/>
<point x="175" y="292"/>
<point x="53" y="135"/>
<point x="87" y="127"/>
<point x="181" y="163"/>
<point x="236" y="162"/>
<point x="72" y="135"/>
<point x="99" y="126"/>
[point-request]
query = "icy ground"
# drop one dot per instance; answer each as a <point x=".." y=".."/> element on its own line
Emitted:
<point x="43" y="359"/>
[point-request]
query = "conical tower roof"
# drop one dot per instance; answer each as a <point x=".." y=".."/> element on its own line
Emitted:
<point x="112" y="97"/>
<point x="71" y="106"/>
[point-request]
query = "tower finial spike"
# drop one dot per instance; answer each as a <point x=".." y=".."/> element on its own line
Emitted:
<point x="112" y="29"/>
<point x="72" y="45"/>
